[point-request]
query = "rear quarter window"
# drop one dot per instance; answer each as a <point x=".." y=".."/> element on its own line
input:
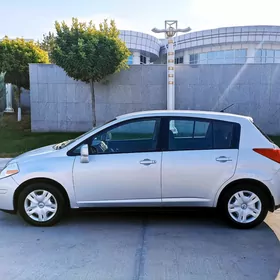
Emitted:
<point x="264" y="134"/>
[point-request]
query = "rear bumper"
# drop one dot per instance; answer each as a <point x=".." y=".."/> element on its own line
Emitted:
<point x="274" y="188"/>
<point x="7" y="190"/>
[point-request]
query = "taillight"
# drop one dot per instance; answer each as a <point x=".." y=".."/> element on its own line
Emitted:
<point x="273" y="154"/>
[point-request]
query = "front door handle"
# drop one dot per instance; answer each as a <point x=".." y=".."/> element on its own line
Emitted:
<point x="147" y="161"/>
<point x="223" y="159"/>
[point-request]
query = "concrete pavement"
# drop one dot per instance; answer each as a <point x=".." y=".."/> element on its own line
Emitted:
<point x="273" y="221"/>
<point x="190" y="245"/>
<point x="138" y="246"/>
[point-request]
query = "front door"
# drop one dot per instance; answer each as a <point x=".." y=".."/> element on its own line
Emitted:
<point x="124" y="167"/>
<point x="201" y="156"/>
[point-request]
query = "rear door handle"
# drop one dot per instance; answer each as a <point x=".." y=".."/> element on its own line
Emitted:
<point x="223" y="159"/>
<point x="148" y="161"/>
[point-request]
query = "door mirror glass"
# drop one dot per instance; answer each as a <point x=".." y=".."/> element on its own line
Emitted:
<point x="84" y="154"/>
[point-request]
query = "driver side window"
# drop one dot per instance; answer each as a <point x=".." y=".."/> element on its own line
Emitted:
<point x="130" y="137"/>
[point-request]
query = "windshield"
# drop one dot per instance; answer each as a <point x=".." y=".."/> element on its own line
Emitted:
<point x="68" y="142"/>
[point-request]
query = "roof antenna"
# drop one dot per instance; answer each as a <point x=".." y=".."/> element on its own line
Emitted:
<point x="227" y="107"/>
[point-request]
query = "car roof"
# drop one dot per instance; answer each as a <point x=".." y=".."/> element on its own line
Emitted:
<point x="186" y="113"/>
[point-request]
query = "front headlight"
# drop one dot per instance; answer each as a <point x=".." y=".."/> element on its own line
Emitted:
<point x="9" y="170"/>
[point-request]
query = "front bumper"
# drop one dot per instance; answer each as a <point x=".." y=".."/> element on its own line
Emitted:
<point x="7" y="190"/>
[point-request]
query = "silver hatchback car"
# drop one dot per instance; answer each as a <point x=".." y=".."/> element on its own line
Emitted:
<point x="153" y="158"/>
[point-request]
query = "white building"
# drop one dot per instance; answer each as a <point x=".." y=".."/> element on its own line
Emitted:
<point x="228" y="45"/>
<point x="145" y="49"/>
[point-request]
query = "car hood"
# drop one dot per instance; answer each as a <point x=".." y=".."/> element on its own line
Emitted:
<point x="44" y="151"/>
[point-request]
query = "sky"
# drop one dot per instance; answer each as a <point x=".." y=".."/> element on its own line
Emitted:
<point x="30" y="19"/>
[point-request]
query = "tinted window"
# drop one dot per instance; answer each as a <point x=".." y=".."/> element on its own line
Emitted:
<point x="266" y="56"/>
<point x="130" y="60"/>
<point x="191" y="134"/>
<point x="136" y="136"/>
<point x="200" y="129"/>
<point x="181" y="128"/>
<point x="179" y="60"/>
<point x="219" y="57"/>
<point x="193" y="58"/>
<point x="189" y="128"/>
<point x="222" y="135"/>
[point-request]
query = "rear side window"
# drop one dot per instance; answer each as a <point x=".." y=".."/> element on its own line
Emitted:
<point x="189" y="128"/>
<point x="200" y="134"/>
<point x="222" y="134"/>
<point x="186" y="134"/>
<point x="264" y="134"/>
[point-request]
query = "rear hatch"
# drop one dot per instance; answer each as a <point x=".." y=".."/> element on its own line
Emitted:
<point x="271" y="153"/>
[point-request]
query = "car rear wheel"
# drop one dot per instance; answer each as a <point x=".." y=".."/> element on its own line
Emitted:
<point x="244" y="206"/>
<point x="41" y="204"/>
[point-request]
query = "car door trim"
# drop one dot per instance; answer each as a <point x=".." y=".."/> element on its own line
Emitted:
<point x="121" y="202"/>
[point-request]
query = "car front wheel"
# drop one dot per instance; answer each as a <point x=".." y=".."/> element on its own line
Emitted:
<point x="244" y="206"/>
<point x="41" y="204"/>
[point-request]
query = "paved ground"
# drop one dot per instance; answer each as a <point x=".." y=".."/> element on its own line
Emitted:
<point x="138" y="246"/>
<point x="273" y="221"/>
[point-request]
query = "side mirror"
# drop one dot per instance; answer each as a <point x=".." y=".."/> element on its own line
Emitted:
<point x="84" y="154"/>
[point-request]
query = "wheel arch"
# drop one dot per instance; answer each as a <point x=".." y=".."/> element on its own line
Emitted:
<point x="40" y="180"/>
<point x="248" y="181"/>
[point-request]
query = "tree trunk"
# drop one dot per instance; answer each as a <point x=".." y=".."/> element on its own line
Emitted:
<point x="93" y="102"/>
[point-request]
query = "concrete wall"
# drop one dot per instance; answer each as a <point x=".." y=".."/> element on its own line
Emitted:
<point x="58" y="103"/>
<point x="254" y="90"/>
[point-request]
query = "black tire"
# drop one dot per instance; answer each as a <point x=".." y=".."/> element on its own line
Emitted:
<point x="61" y="206"/>
<point x="223" y="205"/>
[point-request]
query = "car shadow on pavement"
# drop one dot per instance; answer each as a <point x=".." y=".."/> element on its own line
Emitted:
<point x="140" y="245"/>
<point x="204" y="244"/>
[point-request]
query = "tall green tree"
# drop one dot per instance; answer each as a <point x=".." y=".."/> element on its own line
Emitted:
<point x="15" y="56"/>
<point x="88" y="53"/>
<point x="48" y="42"/>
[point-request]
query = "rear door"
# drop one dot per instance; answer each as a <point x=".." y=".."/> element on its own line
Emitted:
<point x="201" y="155"/>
